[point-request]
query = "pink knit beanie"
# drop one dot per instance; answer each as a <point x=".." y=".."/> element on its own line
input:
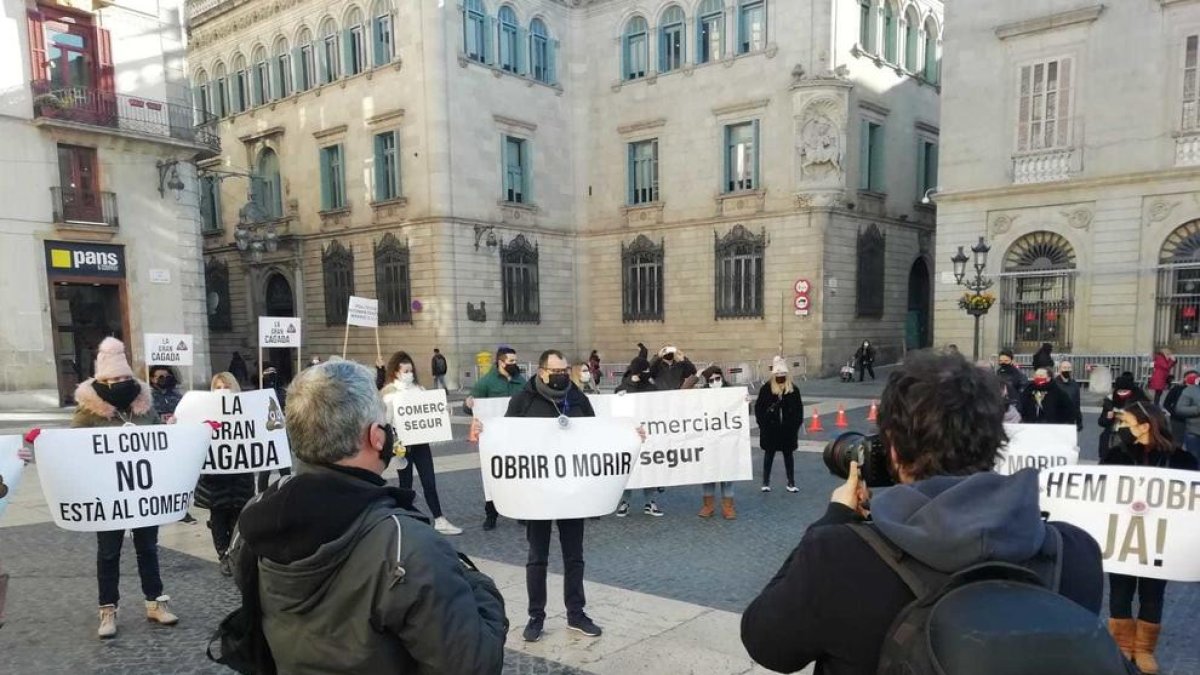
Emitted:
<point x="111" y="362"/>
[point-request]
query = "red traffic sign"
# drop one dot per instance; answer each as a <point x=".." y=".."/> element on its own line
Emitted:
<point x="802" y="286"/>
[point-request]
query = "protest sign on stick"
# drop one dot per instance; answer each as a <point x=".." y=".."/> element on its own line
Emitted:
<point x="422" y="417"/>
<point x="249" y="435"/>
<point x="1038" y="446"/>
<point x="278" y="332"/>
<point x="362" y="312"/>
<point x="10" y="469"/>
<point x="116" y="478"/>
<point x="1146" y="519"/>
<point x="537" y="469"/>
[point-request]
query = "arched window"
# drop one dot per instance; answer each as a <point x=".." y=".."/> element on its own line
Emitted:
<point x="267" y="186"/>
<point x="912" y="40"/>
<point x="752" y="26"/>
<point x="220" y="95"/>
<point x="872" y="254"/>
<point x="710" y="31"/>
<point x="260" y="80"/>
<point x="642" y="280"/>
<point x="305" y="61"/>
<point x="932" y="59"/>
<point x="1177" y="302"/>
<point x="240" y="86"/>
<point x="328" y="60"/>
<point x="382" y="38"/>
<point x="1038" y="292"/>
<point x="201" y="96"/>
<point x="392" y="285"/>
<point x="519" y="281"/>
<point x="866" y="25"/>
<point x="636" y="49"/>
<point x="216" y="286"/>
<point x="476" y="36"/>
<point x="739" y="275"/>
<point x="337" y="265"/>
<point x="541" y="52"/>
<point x="281" y="68"/>
<point x="891" y="31"/>
<point x="354" y="42"/>
<point x="671" y="39"/>
<point x="510" y="40"/>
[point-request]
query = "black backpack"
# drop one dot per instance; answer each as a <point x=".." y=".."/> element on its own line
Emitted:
<point x="993" y="618"/>
<point x="243" y="645"/>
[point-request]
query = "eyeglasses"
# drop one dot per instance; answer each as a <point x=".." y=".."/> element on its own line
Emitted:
<point x="557" y="371"/>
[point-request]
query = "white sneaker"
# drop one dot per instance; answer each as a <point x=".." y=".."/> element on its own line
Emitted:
<point x="766" y="488"/>
<point x="444" y="526"/>
<point x="108" y="621"/>
<point x="792" y="488"/>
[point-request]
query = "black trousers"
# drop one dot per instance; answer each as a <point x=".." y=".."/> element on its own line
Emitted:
<point x="221" y="521"/>
<point x="489" y="509"/>
<point x="264" y="478"/>
<point x="570" y="536"/>
<point x="864" y="368"/>
<point x="421" y="458"/>
<point x="789" y="465"/>
<point x="1150" y="592"/>
<point x="108" y="563"/>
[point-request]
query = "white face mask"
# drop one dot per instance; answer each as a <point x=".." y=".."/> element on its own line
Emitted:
<point x="716" y="384"/>
<point x="406" y="378"/>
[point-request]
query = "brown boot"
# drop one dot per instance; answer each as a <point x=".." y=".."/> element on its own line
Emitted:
<point x="1144" y="641"/>
<point x="157" y="611"/>
<point x="1122" y="631"/>
<point x="727" y="508"/>
<point x="707" y="510"/>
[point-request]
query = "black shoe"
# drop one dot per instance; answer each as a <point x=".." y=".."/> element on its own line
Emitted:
<point x="489" y="523"/>
<point x="582" y="625"/>
<point x="226" y="569"/>
<point x="187" y="518"/>
<point x="533" y="630"/>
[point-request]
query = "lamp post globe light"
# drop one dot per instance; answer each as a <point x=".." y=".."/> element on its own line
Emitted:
<point x="976" y="302"/>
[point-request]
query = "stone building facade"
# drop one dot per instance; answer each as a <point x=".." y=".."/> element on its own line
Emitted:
<point x="1080" y="168"/>
<point x="579" y="174"/>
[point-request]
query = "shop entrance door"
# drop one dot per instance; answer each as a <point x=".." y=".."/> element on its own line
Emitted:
<point x="83" y="315"/>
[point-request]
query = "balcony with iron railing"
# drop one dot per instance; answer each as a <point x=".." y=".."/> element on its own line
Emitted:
<point x="84" y="208"/>
<point x="126" y="114"/>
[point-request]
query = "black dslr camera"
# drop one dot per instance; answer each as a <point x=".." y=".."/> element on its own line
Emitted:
<point x="868" y="451"/>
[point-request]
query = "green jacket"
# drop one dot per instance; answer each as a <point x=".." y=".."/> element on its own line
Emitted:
<point x="493" y="385"/>
<point x="93" y="411"/>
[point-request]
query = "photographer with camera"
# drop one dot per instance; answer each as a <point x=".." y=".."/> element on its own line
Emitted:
<point x="1027" y="593"/>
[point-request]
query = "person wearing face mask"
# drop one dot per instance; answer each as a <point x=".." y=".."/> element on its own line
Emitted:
<point x="224" y="495"/>
<point x="402" y="378"/>
<point x="1171" y="401"/>
<point x="271" y="380"/>
<point x="1010" y="374"/>
<point x="1125" y="393"/>
<point x="1187" y="409"/>
<point x="1044" y="402"/>
<point x="864" y="359"/>
<point x="1164" y="365"/>
<point x="779" y="412"/>
<point x="1144" y="439"/>
<point x="504" y="379"/>
<point x="113" y="398"/>
<point x="637" y="380"/>
<point x="713" y="377"/>
<point x="1071" y="387"/>
<point x="670" y="369"/>
<point x="164" y="391"/>
<point x="350" y="576"/>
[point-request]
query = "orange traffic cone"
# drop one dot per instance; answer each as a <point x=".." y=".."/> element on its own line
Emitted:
<point x="473" y="433"/>
<point x="873" y="413"/>
<point x="841" y="422"/>
<point x="815" y="426"/>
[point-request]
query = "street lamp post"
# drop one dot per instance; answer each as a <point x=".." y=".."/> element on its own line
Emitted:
<point x="976" y="303"/>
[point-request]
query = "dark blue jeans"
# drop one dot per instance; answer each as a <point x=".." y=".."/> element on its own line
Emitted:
<point x="570" y="536"/>
<point x="1191" y="443"/>
<point x="108" y="563"/>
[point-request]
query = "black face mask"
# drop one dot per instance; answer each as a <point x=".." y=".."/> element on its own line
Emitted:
<point x="1065" y="376"/>
<point x="165" y="382"/>
<point x="559" y="381"/>
<point x="389" y="445"/>
<point x="119" y="395"/>
<point x="1126" y="436"/>
<point x="780" y="379"/>
<point x="512" y="369"/>
<point x="669" y="357"/>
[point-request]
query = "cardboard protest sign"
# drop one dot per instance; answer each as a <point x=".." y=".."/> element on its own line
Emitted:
<point x="10" y="469"/>
<point x="278" y="332"/>
<point x="117" y="478"/>
<point x="692" y="436"/>
<point x="250" y="435"/>
<point x="487" y="408"/>
<point x="169" y="349"/>
<point x="421" y="417"/>
<point x="1038" y="446"/>
<point x="1146" y="519"/>
<point x="538" y="469"/>
<point x="362" y="312"/>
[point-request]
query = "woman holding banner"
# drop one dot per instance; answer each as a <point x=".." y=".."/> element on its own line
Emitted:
<point x="779" y="412"/>
<point x="224" y="495"/>
<point x="401" y="377"/>
<point x="1144" y="440"/>
<point x="713" y="377"/>
<point x="637" y="380"/>
<point x="113" y="398"/>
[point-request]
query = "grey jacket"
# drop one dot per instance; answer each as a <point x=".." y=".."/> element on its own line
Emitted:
<point x="1188" y="408"/>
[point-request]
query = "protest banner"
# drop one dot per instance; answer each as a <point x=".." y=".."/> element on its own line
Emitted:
<point x="169" y="349"/>
<point x="10" y="469"/>
<point x="362" y="312"/>
<point x="1038" y="446"/>
<point x="692" y="436"/>
<point x="116" y="478"/>
<point x="485" y="408"/>
<point x="278" y="332"/>
<point x="249" y="436"/>
<point x="1146" y="519"/>
<point x="422" y="417"/>
<point x="538" y="469"/>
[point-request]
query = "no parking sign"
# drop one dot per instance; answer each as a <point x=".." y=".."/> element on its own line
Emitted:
<point x="802" y="302"/>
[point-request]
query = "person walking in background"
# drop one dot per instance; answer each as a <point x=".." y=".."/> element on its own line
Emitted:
<point x="1164" y="365"/>
<point x="671" y="368"/>
<point x="594" y="368"/>
<point x="637" y="380"/>
<point x="713" y="377"/>
<point x="779" y="412"/>
<point x="864" y="360"/>
<point x="1143" y="439"/>
<point x="1042" y="358"/>
<point x="1171" y="401"/>
<point x="439" y="368"/>
<point x="401" y="379"/>
<point x="1125" y="393"/>
<point x="224" y="495"/>
<point x="504" y="379"/>
<point x="1187" y="409"/>
<point x="237" y="366"/>
<point x="1014" y="381"/>
<point x="113" y="398"/>
<point x="1071" y="387"/>
<point x="1044" y="402"/>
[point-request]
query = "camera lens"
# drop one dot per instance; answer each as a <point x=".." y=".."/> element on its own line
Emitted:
<point x="846" y="448"/>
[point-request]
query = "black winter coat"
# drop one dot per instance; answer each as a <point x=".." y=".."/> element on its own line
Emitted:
<point x="225" y="491"/>
<point x="629" y="386"/>
<point x="1072" y="388"/>
<point x="1055" y="406"/>
<point x="779" y="419"/>
<point x="1110" y="405"/>
<point x="529" y="402"/>
<point x="1014" y="382"/>
<point x="1123" y="455"/>
<point x="670" y="375"/>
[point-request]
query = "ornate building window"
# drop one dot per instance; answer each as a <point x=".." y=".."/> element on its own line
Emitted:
<point x="671" y="40"/>
<point x="542" y="52"/>
<point x="1191" y="83"/>
<point x="511" y="56"/>
<point x="305" y="61"/>
<point x="392" y="283"/>
<point x="891" y="31"/>
<point x="337" y="265"/>
<point x="281" y="75"/>
<point x="382" y="37"/>
<point x="643" y="172"/>
<point x="239" y="86"/>
<point x="912" y="40"/>
<point x="752" y="26"/>
<point x="738" y="288"/>
<point x="260" y="80"/>
<point x="635" y="54"/>
<point x="216" y="284"/>
<point x="710" y="31"/>
<point x="1038" y="292"/>
<point x="866" y="25"/>
<point x="329" y="62"/>
<point x="267" y="186"/>
<point x="354" y="43"/>
<point x="642" y="280"/>
<point x="476" y="36"/>
<point x="1177" y="302"/>
<point x="872" y="249"/>
<point x="519" y="281"/>
<point x="932" y="71"/>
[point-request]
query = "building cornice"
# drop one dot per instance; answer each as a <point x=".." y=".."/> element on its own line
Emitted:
<point x="514" y="123"/>
<point x="386" y="117"/>
<point x="643" y="125"/>
<point x="740" y="108"/>
<point x="1182" y="174"/>
<point x="330" y="132"/>
<point x="1051" y="22"/>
